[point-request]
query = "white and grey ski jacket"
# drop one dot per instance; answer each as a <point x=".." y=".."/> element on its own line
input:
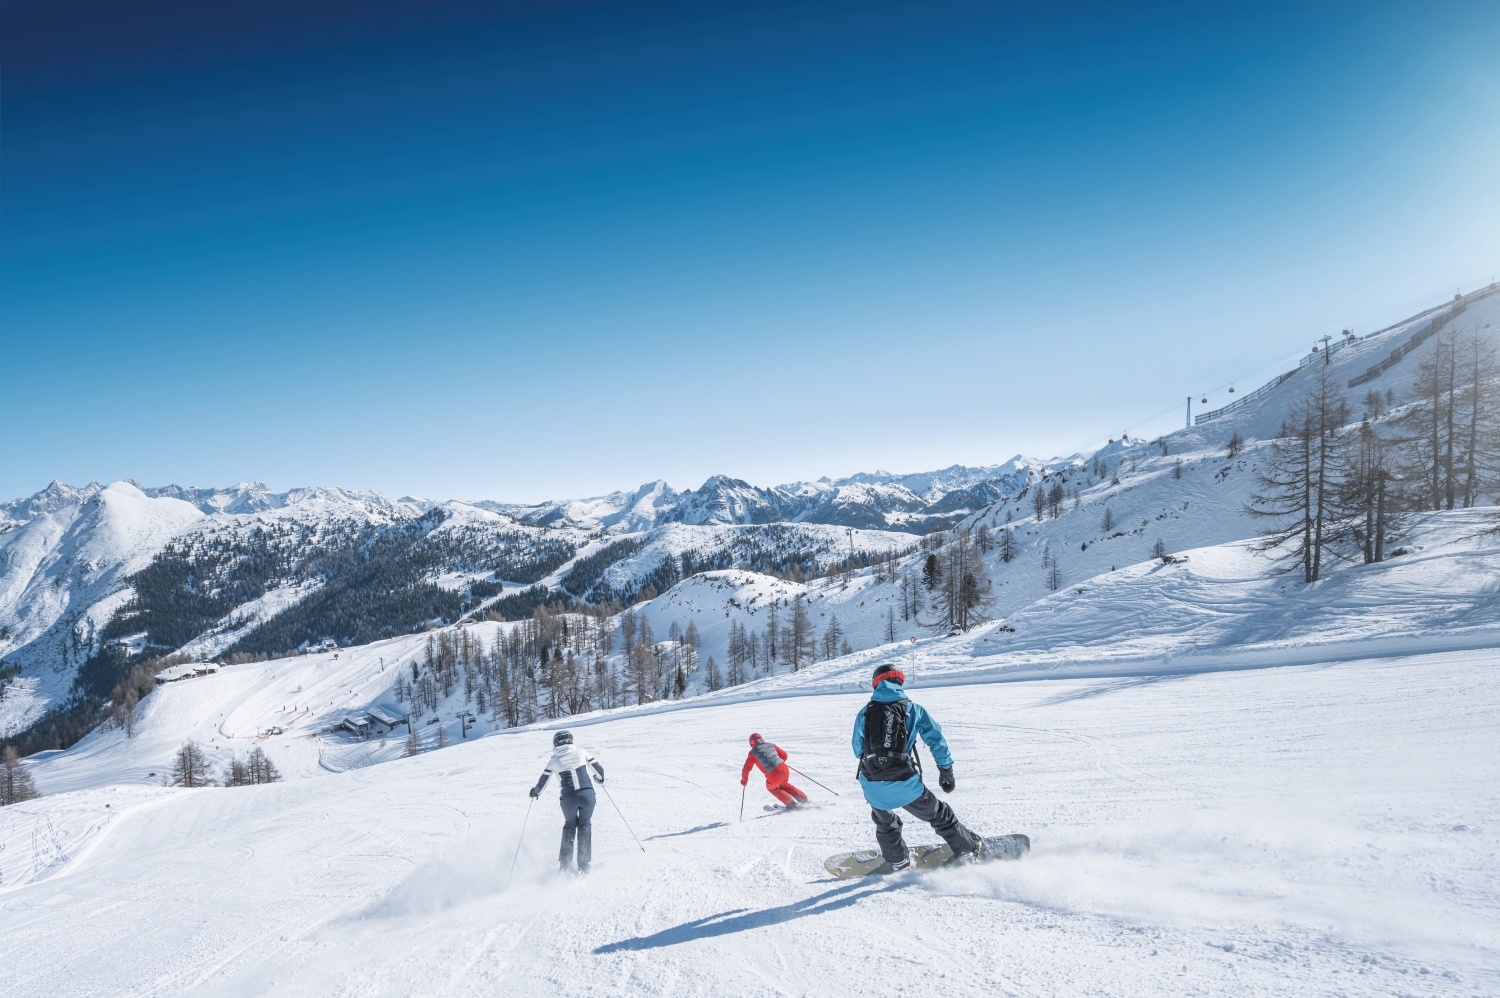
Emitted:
<point x="571" y="763"/>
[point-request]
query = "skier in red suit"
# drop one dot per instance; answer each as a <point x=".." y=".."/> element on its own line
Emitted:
<point x="771" y="759"/>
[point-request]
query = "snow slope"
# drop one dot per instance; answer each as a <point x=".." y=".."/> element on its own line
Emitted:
<point x="1260" y="418"/>
<point x="1322" y="829"/>
<point x="231" y="711"/>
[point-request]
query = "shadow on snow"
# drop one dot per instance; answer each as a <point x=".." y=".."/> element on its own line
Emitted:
<point x="690" y="831"/>
<point x="741" y="919"/>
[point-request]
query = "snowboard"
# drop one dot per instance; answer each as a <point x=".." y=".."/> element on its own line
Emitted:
<point x="847" y="865"/>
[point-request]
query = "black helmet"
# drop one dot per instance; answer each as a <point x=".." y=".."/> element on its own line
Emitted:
<point x="562" y="738"/>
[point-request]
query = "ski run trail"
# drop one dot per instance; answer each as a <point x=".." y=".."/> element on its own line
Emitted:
<point x="1325" y="829"/>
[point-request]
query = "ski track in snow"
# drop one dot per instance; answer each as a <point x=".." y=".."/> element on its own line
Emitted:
<point x="1319" y="829"/>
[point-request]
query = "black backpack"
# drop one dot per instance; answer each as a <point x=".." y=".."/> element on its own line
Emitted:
<point x="885" y="758"/>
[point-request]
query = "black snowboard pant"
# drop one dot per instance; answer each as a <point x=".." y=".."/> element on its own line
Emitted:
<point x="929" y="809"/>
<point x="578" y="814"/>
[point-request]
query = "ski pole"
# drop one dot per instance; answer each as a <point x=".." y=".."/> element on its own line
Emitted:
<point x="742" y="802"/>
<point x="622" y="816"/>
<point x="518" y="843"/>
<point x="805" y="776"/>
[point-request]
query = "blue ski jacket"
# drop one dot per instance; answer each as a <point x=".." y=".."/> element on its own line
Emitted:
<point x="889" y="796"/>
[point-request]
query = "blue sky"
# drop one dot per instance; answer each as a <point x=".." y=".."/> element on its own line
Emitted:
<point x="521" y="251"/>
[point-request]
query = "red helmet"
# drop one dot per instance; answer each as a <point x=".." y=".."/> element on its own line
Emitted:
<point x="756" y="739"/>
<point x="888" y="672"/>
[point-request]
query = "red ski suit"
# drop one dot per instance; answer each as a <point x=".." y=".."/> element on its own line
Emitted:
<point x="776" y="777"/>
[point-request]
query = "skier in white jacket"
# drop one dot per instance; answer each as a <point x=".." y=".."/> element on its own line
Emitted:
<point x="577" y="771"/>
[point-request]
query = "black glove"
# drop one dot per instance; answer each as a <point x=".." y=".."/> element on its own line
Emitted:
<point x="536" y="792"/>
<point x="945" y="780"/>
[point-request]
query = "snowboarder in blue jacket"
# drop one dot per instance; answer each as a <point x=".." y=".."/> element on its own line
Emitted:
<point x="885" y="738"/>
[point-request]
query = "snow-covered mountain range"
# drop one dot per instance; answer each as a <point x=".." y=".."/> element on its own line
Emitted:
<point x="878" y="500"/>
<point x="92" y="578"/>
<point x="67" y="553"/>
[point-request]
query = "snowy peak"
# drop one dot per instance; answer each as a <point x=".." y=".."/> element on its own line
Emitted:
<point x="722" y="499"/>
<point x="647" y="506"/>
<point x="63" y="571"/>
<point x="246" y="497"/>
<point x="626" y="512"/>
<point x="256" y="497"/>
<point x="56" y="496"/>
<point x="934" y="485"/>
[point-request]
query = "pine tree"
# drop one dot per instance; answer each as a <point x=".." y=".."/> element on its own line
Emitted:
<point x="16" y="784"/>
<point x="1039" y="503"/>
<point x="1298" y="484"/>
<point x="1159" y="549"/>
<point x="798" y="638"/>
<point x="890" y="624"/>
<point x="238" y="774"/>
<point x="1365" y="492"/>
<point x="1007" y="545"/>
<point x="262" y="770"/>
<point x="932" y="572"/>
<point x="1235" y="445"/>
<point x="1479" y="401"/>
<point x="627" y="630"/>
<point x="711" y="677"/>
<point x="1108" y="524"/>
<point x="413" y="747"/>
<point x="831" y="636"/>
<point x="642" y="671"/>
<point x="442" y="741"/>
<point x="1055" y="496"/>
<point x="679" y="685"/>
<point x="982" y="538"/>
<point x="964" y="596"/>
<point x="1177" y="469"/>
<point x="190" y="767"/>
<point x="1429" y="424"/>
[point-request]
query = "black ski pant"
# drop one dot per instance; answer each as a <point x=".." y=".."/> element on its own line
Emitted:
<point x="578" y="814"/>
<point x="928" y="808"/>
